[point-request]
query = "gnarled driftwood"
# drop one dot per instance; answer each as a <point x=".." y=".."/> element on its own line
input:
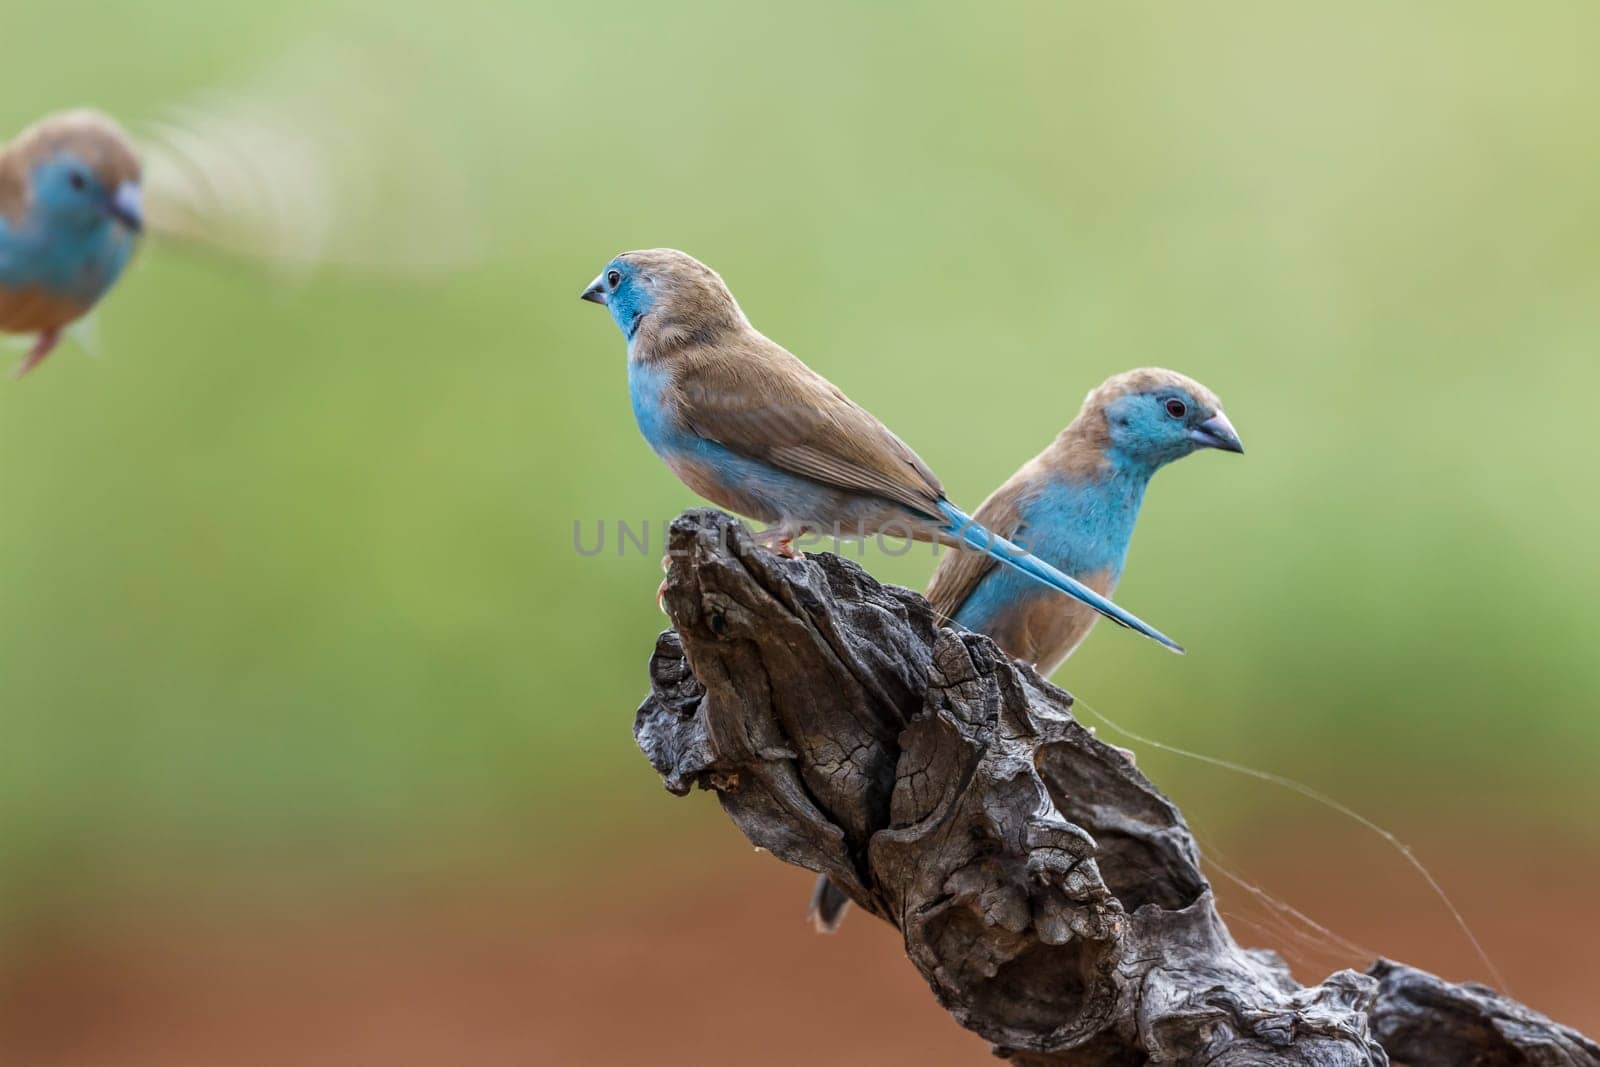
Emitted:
<point x="1049" y="894"/>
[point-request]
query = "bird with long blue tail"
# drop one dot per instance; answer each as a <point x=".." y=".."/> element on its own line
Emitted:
<point x="751" y="428"/>
<point x="1074" y="505"/>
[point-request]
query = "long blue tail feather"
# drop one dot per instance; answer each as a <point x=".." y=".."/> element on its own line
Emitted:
<point x="963" y="527"/>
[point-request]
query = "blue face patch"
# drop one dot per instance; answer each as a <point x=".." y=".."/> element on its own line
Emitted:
<point x="68" y="243"/>
<point x="1149" y="430"/>
<point x="630" y="299"/>
<point x="67" y="192"/>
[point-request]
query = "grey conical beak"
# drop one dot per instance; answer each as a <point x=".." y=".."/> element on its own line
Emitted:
<point x="1217" y="432"/>
<point x="596" y="293"/>
<point x="127" y="206"/>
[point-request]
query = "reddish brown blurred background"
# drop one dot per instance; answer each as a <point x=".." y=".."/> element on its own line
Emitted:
<point x="686" y="954"/>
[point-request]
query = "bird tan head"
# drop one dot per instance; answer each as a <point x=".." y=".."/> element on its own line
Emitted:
<point x="82" y="152"/>
<point x="665" y="298"/>
<point x="1148" y="380"/>
<point x="1148" y="417"/>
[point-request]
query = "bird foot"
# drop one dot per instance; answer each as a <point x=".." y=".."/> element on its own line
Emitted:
<point x="780" y="542"/>
<point x="41" y="348"/>
<point x="661" y="590"/>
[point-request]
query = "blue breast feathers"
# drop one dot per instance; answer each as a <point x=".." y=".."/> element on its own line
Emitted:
<point x="71" y="263"/>
<point x="1082" y="528"/>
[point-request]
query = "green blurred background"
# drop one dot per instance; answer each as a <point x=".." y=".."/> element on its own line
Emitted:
<point x="292" y="619"/>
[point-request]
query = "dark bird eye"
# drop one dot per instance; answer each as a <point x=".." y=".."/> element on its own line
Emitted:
<point x="613" y="278"/>
<point x="1176" y="408"/>
<point x="77" y="179"/>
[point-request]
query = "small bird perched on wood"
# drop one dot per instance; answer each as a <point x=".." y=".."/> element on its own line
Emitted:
<point x="1074" y="505"/>
<point x="71" y="210"/>
<point x="749" y="427"/>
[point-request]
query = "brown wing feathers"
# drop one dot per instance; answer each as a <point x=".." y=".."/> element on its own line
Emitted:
<point x="762" y="402"/>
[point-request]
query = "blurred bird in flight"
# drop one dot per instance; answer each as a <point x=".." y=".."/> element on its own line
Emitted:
<point x="283" y="174"/>
<point x="71" y="210"/>
<point x="749" y="427"/>
<point x="1074" y="505"/>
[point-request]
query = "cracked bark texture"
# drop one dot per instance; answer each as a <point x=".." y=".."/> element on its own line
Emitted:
<point x="1048" y="893"/>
